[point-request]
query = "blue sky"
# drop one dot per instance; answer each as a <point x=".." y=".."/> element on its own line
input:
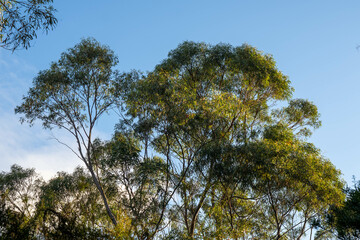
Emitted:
<point x="313" y="42"/>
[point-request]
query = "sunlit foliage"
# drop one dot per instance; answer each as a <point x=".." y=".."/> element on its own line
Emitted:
<point x="202" y="149"/>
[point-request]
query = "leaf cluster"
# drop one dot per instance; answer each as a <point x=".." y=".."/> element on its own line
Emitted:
<point x="20" y="20"/>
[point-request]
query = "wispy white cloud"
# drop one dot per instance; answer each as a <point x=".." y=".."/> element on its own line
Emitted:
<point x="33" y="148"/>
<point x="30" y="147"/>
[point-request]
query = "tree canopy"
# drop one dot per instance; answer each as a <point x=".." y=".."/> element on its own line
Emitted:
<point x="235" y="162"/>
<point x="202" y="150"/>
<point x="72" y="95"/>
<point x="346" y="219"/>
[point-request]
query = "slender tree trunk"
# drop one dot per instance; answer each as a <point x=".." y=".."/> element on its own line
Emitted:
<point x="89" y="165"/>
<point x="197" y="210"/>
<point x="103" y="196"/>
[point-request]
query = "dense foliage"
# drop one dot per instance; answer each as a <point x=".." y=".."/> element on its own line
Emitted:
<point x="346" y="218"/>
<point x="202" y="150"/>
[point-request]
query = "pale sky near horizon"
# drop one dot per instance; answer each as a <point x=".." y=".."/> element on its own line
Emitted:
<point x="313" y="42"/>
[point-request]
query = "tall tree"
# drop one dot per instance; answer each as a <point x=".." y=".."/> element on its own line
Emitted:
<point x="20" y="20"/>
<point x="200" y="97"/>
<point x="203" y="153"/>
<point x="72" y="95"/>
<point x="206" y="111"/>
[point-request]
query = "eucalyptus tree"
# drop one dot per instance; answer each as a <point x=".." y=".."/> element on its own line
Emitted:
<point x="203" y="96"/>
<point x="139" y="182"/>
<point x="20" y="20"/>
<point x="69" y="207"/>
<point x="206" y="110"/>
<point x="73" y="94"/>
<point x="295" y="185"/>
<point x="204" y="151"/>
<point x="19" y="192"/>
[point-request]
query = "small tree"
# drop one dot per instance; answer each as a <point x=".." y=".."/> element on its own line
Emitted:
<point x="69" y="208"/>
<point x="72" y="95"/>
<point x="19" y="192"/>
<point x="346" y="218"/>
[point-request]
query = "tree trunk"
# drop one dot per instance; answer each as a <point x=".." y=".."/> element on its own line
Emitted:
<point x="103" y="196"/>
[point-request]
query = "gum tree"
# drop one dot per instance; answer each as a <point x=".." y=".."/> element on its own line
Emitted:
<point x="207" y="111"/>
<point x="19" y="192"/>
<point x="204" y="152"/>
<point x="199" y="98"/>
<point x="69" y="207"/>
<point x="73" y="94"/>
